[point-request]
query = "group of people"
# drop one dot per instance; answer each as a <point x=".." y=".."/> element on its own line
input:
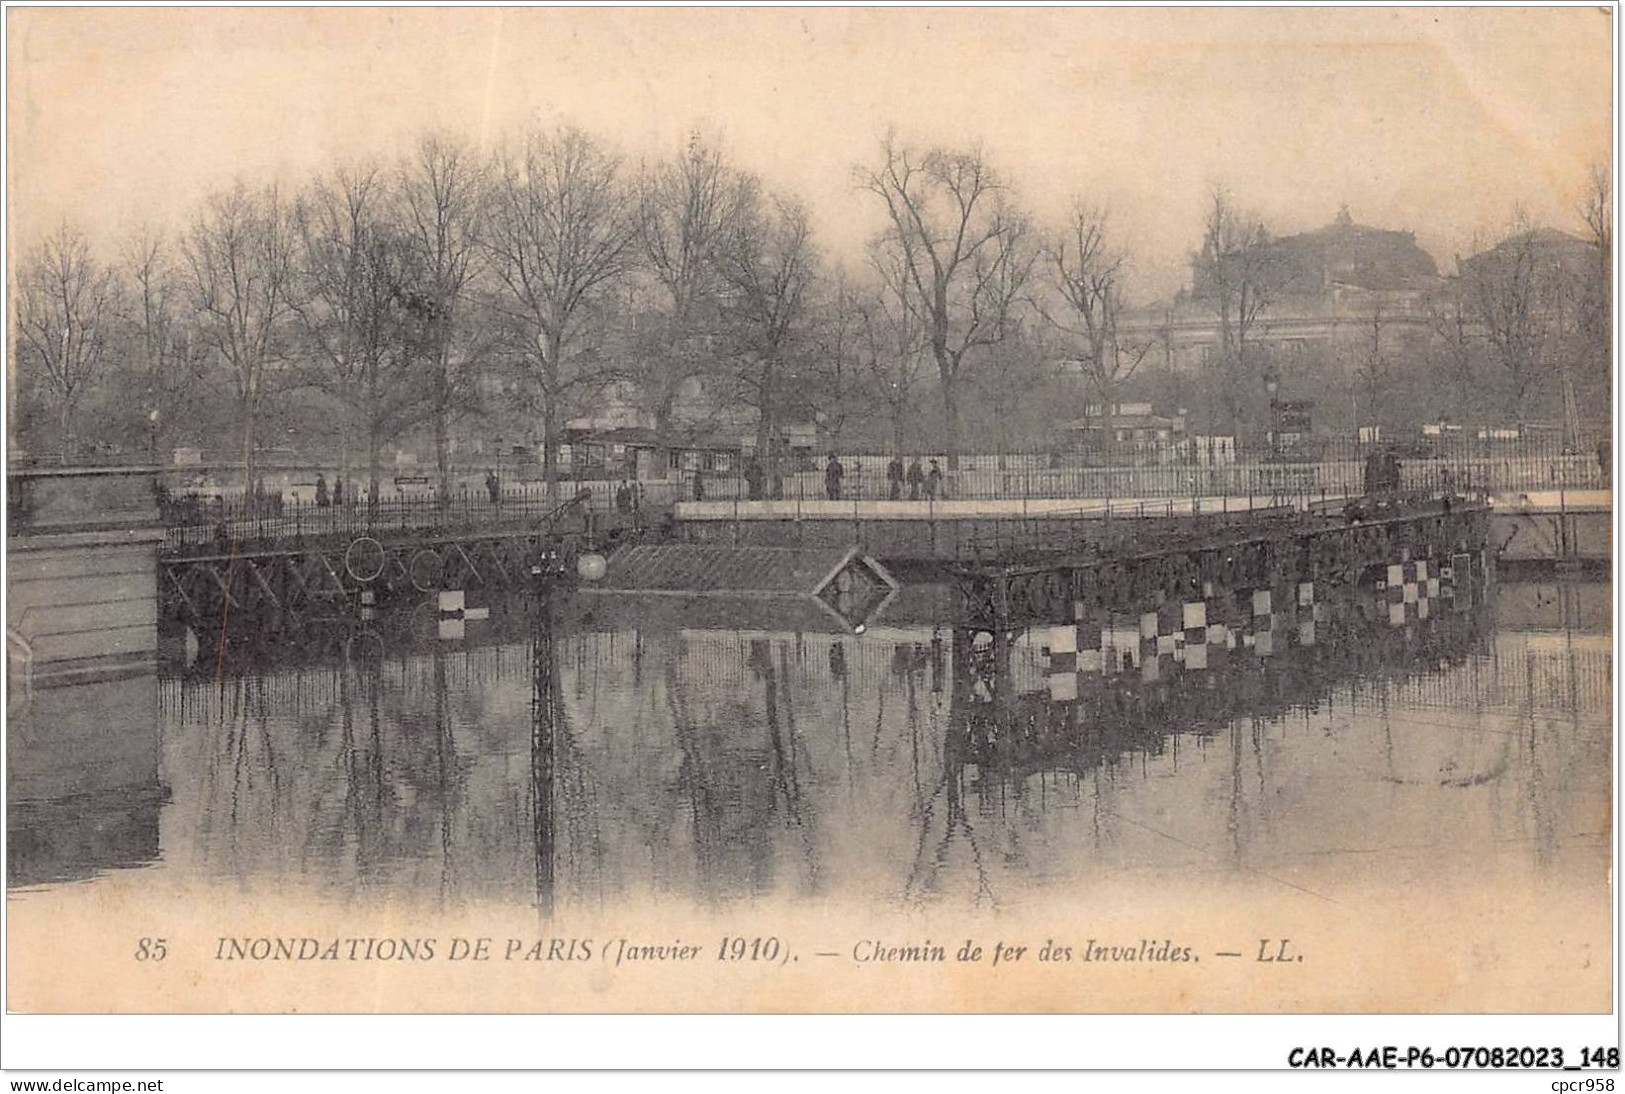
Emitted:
<point x="323" y="497"/>
<point x="628" y="497"/>
<point x="335" y="496"/>
<point x="917" y="478"/>
<point x="921" y="482"/>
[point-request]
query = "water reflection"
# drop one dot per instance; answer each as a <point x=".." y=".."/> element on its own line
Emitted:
<point x="577" y="753"/>
<point x="83" y="786"/>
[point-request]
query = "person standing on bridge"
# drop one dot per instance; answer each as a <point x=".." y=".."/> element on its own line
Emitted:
<point x="321" y="491"/>
<point x="1373" y="473"/>
<point x="338" y="491"/>
<point x="916" y="479"/>
<point x="933" y="482"/>
<point x="493" y="487"/>
<point x="894" y="478"/>
<point x="1391" y="475"/>
<point x="833" y="472"/>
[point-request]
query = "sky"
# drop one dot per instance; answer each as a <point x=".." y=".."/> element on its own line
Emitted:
<point x="1437" y="121"/>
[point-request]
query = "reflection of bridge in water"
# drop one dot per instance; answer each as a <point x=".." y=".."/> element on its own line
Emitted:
<point x="1195" y="707"/>
<point x="605" y="761"/>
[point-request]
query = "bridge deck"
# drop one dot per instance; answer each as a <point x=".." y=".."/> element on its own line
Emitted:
<point x="988" y="508"/>
<point x="1227" y="560"/>
<point x="742" y="570"/>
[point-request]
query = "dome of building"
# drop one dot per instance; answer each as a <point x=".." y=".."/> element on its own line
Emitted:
<point x="1347" y="253"/>
<point x="1343" y="253"/>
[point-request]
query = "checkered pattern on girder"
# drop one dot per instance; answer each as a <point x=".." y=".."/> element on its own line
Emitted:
<point x="1191" y="636"/>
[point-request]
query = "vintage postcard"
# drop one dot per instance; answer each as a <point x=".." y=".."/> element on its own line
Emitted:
<point x="810" y="510"/>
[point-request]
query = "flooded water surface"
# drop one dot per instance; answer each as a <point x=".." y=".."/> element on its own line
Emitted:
<point x="590" y="751"/>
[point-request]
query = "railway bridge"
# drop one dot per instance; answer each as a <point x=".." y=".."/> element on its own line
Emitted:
<point x="270" y="575"/>
<point x="1143" y="613"/>
<point x="96" y="570"/>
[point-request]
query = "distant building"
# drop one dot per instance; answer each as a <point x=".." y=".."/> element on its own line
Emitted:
<point x="1544" y="284"/>
<point x="1344" y="254"/>
<point x="1331" y="286"/>
<point x="622" y="441"/>
<point x="1546" y="250"/>
<point x="1122" y="429"/>
<point x="1125" y="423"/>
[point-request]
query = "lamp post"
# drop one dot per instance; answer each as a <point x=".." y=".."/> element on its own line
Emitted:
<point x="153" y="418"/>
<point x="1272" y="384"/>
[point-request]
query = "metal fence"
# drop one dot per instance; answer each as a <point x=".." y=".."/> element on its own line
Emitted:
<point x="196" y="525"/>
<point x="1330" y="467"/>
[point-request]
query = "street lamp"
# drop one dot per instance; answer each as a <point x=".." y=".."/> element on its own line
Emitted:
<point x="1272" y="384"/>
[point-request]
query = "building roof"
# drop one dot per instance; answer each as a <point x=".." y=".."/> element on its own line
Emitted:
<point x="641" y="437"/>
<point x="1347" y="253"/>
<point x="1341" y="253"/>
<point x="619" y="435"/>
<point x="1543" y="245"/>
<point x="1132" y="421"/>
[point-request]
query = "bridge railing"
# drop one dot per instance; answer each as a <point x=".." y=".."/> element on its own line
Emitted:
<point x="200" y="525"/>
<point x="1334" y="466"/>
<point x="1301" y="473"/>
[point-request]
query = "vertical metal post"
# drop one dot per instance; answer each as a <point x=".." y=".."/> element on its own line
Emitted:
<point x="1563" y="519"/>
<point x="543" y="753"/>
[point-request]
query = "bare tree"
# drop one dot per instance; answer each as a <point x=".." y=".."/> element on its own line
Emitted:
<point x="1454" y="344"/>
<point x="837" y="379"/>
<point x="962" y="249"/>
<point x="65" y="297"/>
<point x="358" y="271"/>
<point x="1374" y="370"/>
<point x="240" y="266"/>
<point x="1597" y="300"/>
<point x="1086" y="274"/>
<point x="768" y="265"/>
<point x="442" y="191"/>
<point x="1022" y="382"/>
<point x="1240" y="273"/>
<point x="1523" y="301"/>
<point x="563" y="231"/>
<point x="688" y="205"/>
<point x="337" y="310"/>
<point x="894" y="343"/>
<point x="165" y="359"/>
